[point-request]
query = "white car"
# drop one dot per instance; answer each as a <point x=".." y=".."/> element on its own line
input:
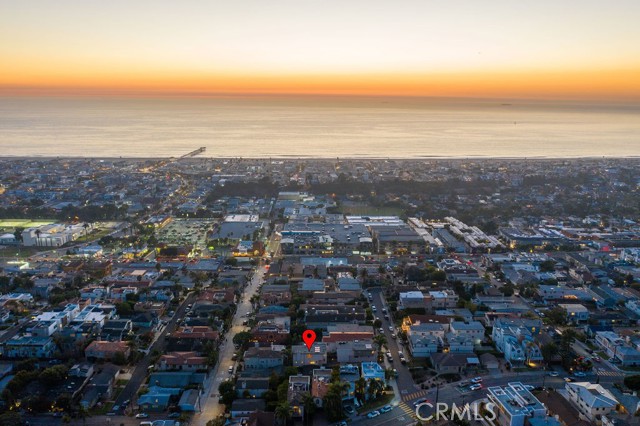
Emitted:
<point x="476" y="380"/>
<point x="391" y="328"/>
<point x="373" y="414"/>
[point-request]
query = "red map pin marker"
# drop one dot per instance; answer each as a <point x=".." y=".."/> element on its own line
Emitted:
<point x="309" y="337"/>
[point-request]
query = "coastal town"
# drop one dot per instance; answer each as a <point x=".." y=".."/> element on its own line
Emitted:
<point x="173" y="292"/>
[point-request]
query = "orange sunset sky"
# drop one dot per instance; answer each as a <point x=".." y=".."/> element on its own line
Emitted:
<point x="548" y="49"/>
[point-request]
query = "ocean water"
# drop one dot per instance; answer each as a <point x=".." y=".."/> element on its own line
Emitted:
<point x="255" y="126"/>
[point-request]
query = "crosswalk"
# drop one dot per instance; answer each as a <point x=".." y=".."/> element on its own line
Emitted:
<point x="407" y="410"/>
<point x="414" y="395"/>
<point x="610" y="373"/>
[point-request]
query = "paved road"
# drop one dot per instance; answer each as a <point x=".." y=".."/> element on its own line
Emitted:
<point x="141" y="370"/>
<point x="404" y="380"/>
<point x="210" y="408"/>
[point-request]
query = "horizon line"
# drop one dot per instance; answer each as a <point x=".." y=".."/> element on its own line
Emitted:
<point x="56" y="92"/>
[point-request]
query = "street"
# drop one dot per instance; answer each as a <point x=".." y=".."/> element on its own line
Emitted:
<point x="210" y="408"/>
<point x="141" y="370"/>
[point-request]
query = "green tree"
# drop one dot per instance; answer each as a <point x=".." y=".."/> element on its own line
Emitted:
<point x="380" y="340"/>
<point x="310" y="407"/>
<point x="283" y="413"/>
<point x="547" y="266"/>
<point x="557" y="315"/>
<point x="549" y="351"/>
<point x="332" y="402"/>
<point x="360" y="390"/>
<point x="227" y="392"/>
<point x="632" y="382"/>
<point x="375" y="388"/>
<point x="10" y="418"/>
<point x="53" y="376"/>
<point x="242" y="339"/>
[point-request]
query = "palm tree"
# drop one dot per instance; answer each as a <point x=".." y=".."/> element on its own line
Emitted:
<point x="376" y="388"/>
<point x="380" y="340"/>
<point x="344" y="387"/>
<point x="360" y="389"/>
<point x="283" y="412"/>
<point x="309" y="405"/>
<point x="85" y="226"/>
<point x="332" y="403"/>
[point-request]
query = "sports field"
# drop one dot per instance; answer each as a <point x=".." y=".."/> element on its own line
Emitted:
<point x="24" y="223"/>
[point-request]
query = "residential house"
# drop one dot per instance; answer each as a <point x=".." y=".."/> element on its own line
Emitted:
<point x="28" y="346"/>
<point x="618" y="348"/>
<point x="252" y="387"/>
<point x="157" y="398"/>
<point x="373" y="371"/>
<point x="447" y="363"/>
<point x="356" y="351"/>
<point x="116" y="330"/>
<point x="270" y="332"/>
<point x="516" y="339"/>
<point x="244" y="408"/>
<point x="193" y="338"/>
<point x="425" y="339"/>
<point x="100" y="387"/>
<point x="443" y="299"/>
<point x="515" y="405"/>
<point x="261" y="359"/>
<point x="182" y="361"/>
<point x="299" y="386"/>
<point x="413" y="300"/>
<point x="310" y="285"/>
<point x="106" y="350"/>
<point x="320" y="381"/>
<point x="576" y="313"/>
<point x="344" y="333"/>
<point x="261" y="418"/>
<point x="317" y="355"/>
<point x="275" y="294"/>
<point x="189" y="400"/>
<point x="592" y="400"/>
<point x="473" y="330"/>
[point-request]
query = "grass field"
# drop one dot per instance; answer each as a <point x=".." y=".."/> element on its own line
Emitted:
<point x="24" y="223"/>
<point x="362" y="209"/>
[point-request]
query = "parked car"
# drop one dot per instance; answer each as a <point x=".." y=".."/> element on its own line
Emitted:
<point x="142" y="416"/>
<point x="580" y="374"/>
<point x="373" y="414"/>
<point x="349" y="409"/>
<point x="475" y="387"/>
<point x="476" y="380"/>
<point x="386" y="409"/>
